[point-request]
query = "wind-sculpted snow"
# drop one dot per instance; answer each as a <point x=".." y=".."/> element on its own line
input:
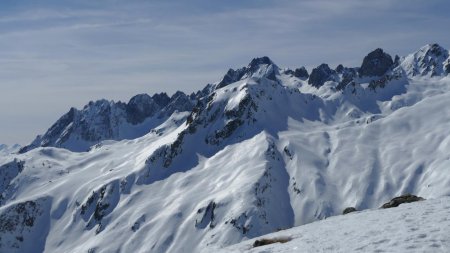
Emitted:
<point x="262" y="152"/>
<point x="416" y="227"/>
<point x="97" y="195"/>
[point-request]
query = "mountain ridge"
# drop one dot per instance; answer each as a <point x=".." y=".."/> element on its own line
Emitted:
<point x="141" y="114"/>
<point x="218" y="174"/>
<point x="432" y="60"/>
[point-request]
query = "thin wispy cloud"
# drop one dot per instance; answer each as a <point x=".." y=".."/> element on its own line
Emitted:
<point x="58" y="54"/>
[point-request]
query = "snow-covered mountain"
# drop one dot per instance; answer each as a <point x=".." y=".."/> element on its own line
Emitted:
<point x="77" y="130"/>
<point x="430" y="60"/>
<point x="263" y="149"/>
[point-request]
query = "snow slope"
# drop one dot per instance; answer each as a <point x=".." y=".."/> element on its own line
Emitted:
<point x="416" y="227"/>
<point x="261" y="150"/>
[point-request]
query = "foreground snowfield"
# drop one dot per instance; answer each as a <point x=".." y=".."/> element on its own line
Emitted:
<point x="262" y="150"/>
<point x="416" y="227"/>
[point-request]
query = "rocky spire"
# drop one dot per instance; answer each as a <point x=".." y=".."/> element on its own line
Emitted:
<point x="376" y="63"/>
<point x="258" y="67"/>
<point x="320" y="75"/>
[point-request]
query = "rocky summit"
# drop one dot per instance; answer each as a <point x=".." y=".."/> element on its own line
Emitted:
<point x="376" y="63"/>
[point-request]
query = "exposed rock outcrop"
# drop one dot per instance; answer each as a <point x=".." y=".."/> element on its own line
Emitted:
<point x="301" y="73"/>
<point x="320" y="75"/>
<point x="407" y="198"/>
<point x="349" y="210"/>
<point x="376" y="63"/>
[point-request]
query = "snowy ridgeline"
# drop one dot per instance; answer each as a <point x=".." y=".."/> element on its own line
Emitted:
<point x="416" y="227"/>
<point x="263" y="149"/>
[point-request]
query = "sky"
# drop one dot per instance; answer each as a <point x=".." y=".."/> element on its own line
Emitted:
<point x="60" y="54"/>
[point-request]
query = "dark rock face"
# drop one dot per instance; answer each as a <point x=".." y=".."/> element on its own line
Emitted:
<point x="98" y="205"/>
<point x="259" y="61"/>
<point x="376" y="63"/>
<point x="206" y="216"/>
<point x="231" y="76"/>
<point x="349" y="210"/>
<point x="407" y="198"/>
<point x="178" y="102"/>
<point x="339" y="69"/>
<point x="143" y="106"/>
<point x="208" y="89"/>
<point x="301" y="73"/>
<point x="140" y="107"/>
<point x="288" y="72"/>
<point x="161" y="99"/>
<point x="95" y="128"/>
<point x="320" y="75"/>
<point x="436" y="50"/>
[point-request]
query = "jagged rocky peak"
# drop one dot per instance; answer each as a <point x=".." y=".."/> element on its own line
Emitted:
<point x="162" y="99"/>
<point x="177" y="95"/>
<point x="208" y="89"/>
<point x="376" y="63"/>
<point x="430" y="60"/>
<point x="230" y="77"/>
<point x="262" y="67"/>
<point x="140" y="107"/>
<point x="98" y="104"/>
<point x="260" y="60"/>
<point x="178" y="102"/>
<point x="339" y="69"/>
<point x="320" y="75"/>
<point x="301" y="73"/>
<point x="346" y="71"/>
<point x="143" y="106"/>
<point x="100" y="120"/>
<point x="346" y="76"/>
<point x="434" y="49"/>
<point x="258" y="67"/>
